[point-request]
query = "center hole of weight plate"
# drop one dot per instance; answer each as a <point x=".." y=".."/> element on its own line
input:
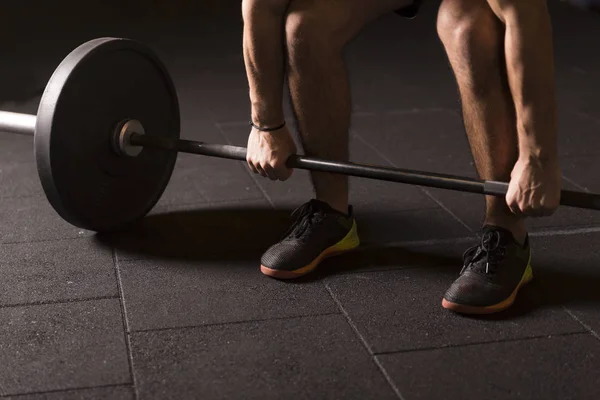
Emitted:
<point x="122" y="141"/>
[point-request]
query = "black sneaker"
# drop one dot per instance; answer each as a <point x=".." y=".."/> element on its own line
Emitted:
<point x="318" y="232"/>
<point x="493" y="272"/>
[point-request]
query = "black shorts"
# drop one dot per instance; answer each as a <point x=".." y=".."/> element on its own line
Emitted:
<point x="410" y="11"/>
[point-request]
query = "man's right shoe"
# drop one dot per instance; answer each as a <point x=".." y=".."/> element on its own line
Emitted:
<point x="318" y="232"/>
<point x="494" y="270"/>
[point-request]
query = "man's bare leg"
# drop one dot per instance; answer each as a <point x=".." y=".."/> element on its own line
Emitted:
<point x="501" y="55"/>
<point x="316" y="34"/>
<point x="474" y="41"/>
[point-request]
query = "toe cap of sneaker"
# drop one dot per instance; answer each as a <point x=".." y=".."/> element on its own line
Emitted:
<point x="475" y="291"/>
<point x="287" y="256"/>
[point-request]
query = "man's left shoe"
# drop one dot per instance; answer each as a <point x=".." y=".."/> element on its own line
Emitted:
<point x="493" y="272"/>
<point x="318" y="232"/>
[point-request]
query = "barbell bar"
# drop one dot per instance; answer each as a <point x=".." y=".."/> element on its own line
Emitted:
<point x="106" y="138"/>
<point x="407" y="176"/>
<point x="25" y="124"/>
<point x="17" y="123"/>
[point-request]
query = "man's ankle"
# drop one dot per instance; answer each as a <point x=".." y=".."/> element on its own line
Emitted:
<point x="336" y="204"/>
<point x="516" y="227"/>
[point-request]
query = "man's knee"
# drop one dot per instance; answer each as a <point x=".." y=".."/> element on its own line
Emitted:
<point x="315" y="29"/>
<point x="461" y="23"/>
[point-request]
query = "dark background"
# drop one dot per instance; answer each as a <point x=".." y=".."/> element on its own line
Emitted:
<point x="35" y="34"/>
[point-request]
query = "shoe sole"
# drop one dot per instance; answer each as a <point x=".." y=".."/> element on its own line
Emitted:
<point x="349" y="242"/>
<point x="503" y="305"/>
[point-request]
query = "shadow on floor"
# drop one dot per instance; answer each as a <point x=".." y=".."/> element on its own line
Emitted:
<point x="240" y="233"/>
<point x="243" y="233"/>
<point x="227" y="233"/>
<point x="571" y="285"/>
<point x="530" y="298"/>
<point x="381" y="258"/>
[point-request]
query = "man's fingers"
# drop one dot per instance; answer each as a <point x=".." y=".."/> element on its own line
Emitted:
<point x="513" y="205"/>
<point x="260" y="170"/>
<point x="516" y="210"/>
<point x="266" y="169"/>
<point x="524" y="209"/>
<point x="527" y="211"/>
<point x="252" y="167"/>
<point x="269" y="171"/>
<point x="547" y="210"/>
<point x="283" y="173"/>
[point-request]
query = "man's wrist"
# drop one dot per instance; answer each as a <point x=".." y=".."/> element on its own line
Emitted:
<point x="267" y="128"/>
<point x="538" y="141"/>
<point x="538" y="154"/>
<point x="266" y="117"/>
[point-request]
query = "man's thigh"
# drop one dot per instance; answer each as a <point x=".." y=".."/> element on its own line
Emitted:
<point x="343" y="18"/>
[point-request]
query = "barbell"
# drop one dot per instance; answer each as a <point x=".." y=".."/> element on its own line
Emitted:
<point x="107" y="135"/>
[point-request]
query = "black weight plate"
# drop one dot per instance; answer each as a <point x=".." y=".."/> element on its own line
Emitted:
<point x="95" y="88"/>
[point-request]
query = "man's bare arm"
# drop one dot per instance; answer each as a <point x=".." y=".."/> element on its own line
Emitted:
<point x="530" y="68"/>
<point x="263" y="44"/>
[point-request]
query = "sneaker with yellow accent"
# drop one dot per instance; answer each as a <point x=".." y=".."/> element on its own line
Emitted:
<point x="493" y="272"/>
<point x="318" y="232"/>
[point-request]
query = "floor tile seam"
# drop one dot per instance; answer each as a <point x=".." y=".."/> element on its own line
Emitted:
<point x="234" y="200"/>
<point x="63" y="301"/>
<point x="390" y="269"/>
<point x="569" y="231"/>
<point x="362" y="213"/>
<point x="30" y="163"/>
<point x="582" y="323"/>
<point x="463" y="239"/>
<point x="364" y="342"/>
<point x="587" y="115"/>
<point x="108" y="386"/>
<point x="238" y="322"/>
<point x="561" y="230"/>
<point x="18" y="197"/>
<point x="127" y="260"/>
<point x="359" y="211"/>
<point x="125" y="323"/>
<point x="252" y="175"/>
<point x="175" y="206"/>
<point x="53" y="240"/>
<point x="39" y="194"/>
<point x="577" y="185"/>
<point x="422" y="189"/>
<point x="445" y="208"/>
<point x="482" y="343"/>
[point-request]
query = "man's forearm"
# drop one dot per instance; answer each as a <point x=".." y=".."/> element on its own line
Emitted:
<point x="530" y="69"/>
<point x="263" y="43"/>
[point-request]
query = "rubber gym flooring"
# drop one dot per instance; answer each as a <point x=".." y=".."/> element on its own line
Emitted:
<point x="178" y="308"/>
